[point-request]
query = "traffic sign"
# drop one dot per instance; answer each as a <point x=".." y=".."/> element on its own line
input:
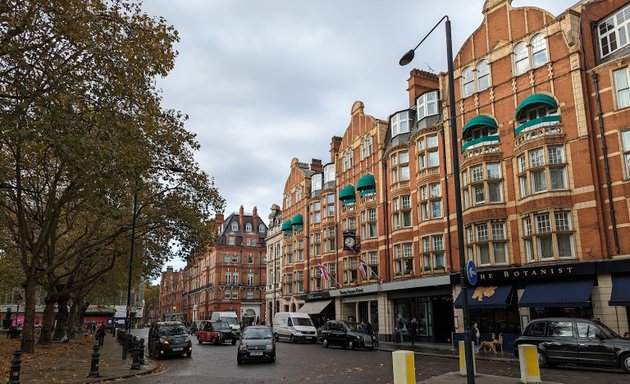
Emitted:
<point x="471" y="272"/>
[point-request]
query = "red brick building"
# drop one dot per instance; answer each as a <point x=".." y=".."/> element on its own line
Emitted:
<point x="171" y="290"/>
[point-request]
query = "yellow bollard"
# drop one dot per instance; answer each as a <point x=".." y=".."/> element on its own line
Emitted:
<point x="404" y="367"/>
<point x="462" y="359"/>
<point x="528" y="360"/>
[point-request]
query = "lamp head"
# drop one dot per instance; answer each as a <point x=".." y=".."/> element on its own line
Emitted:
<point x="407" y="57"/>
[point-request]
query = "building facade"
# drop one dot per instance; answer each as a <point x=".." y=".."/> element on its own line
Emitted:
<point x="542" y="106"/>
<point x="274" y="262"/>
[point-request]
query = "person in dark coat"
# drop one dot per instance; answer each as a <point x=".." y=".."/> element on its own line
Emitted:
<point x="100" y="334"/>
<point x="412" y="328"/>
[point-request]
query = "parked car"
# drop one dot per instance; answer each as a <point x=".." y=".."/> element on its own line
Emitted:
<point x="346" y="335"/>
<point x="256" y="343"/>
<point x="215" y="332"/>
<point x="578" y="341"/>
<point x="169" y="338"/>
<point x="295" y="326"/>
<point x="229" y="317"/>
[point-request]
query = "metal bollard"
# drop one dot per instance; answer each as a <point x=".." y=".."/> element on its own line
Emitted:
<point x="14" y="376"/>
<point x="94" y="365"/>
<point x="135" y="348"/>
<point x="142" y="351"/>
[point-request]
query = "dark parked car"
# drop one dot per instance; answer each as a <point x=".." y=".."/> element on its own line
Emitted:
<point x="216" y="332"/>
<point x="169" y="338"/>
<point x="578" y="341"/>
<point x="346" y="335"/>
<point x="256" y="343"/>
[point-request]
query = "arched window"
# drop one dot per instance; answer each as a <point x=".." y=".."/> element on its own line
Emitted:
<point x="539" y="51"/>
<point x="536" y="111"/>
<point x="521" y="59"/>
<point x="347" y="159"/>
<point x="468" y="82"/>
<point x="480" y="130"/>
<point x="483" y="75"/>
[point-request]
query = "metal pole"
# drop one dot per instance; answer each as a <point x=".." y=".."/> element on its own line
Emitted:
<point x="133" y="246"/>
<point x="470" y="373"/>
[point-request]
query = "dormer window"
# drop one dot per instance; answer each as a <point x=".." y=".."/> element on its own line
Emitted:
<point x="329" y="173"/>
<point x="316" y="182"/>
<point x="248" y="227"/>
<point x="235" y="227"/>
<point x="400" y="123"/>
<point x="427" y="105"/>
<point x="261" y="228"/>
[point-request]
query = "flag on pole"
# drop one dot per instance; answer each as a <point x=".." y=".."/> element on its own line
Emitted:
<point x="362" y="268"/>
<point x="323" y="271"/>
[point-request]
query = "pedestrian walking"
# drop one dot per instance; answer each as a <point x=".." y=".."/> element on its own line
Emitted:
<point x="412" y="328"/>
<point x="100" y="334"/>
<point x="477" y="335"/>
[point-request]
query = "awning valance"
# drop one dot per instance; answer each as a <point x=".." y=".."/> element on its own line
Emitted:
<point x="620" y="295"/>
<point x="536" y="99"/>
<point x="366" y="185"/>
<point x="564" y="294"/>
<point x="286" y="225"/>
<point x="477" y="121"/>
<point x="314" y="307"/>
<point x="486" y="297"/>
<point x="347" y="195"/>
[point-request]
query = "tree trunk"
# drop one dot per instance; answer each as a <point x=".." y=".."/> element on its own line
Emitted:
<point x="28" y="328"/>
<point x="62" y="318"/>
<point x="48" y="322"/>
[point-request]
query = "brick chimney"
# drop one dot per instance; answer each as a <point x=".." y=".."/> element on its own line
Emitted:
<point x="421" y="82"/>
<point x="241" y="218"/>
<point x="316" y="165"/>
<point x="255" y="219"/>
<point x="335" y="143"/>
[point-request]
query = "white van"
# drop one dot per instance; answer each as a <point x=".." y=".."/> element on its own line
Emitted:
<point x="228" y="317"/>
<point x="295" y="326"/>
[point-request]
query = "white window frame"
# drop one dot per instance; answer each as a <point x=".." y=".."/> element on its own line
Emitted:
<point x="427" y="105"/>
<point x="400" y="123"/>
<point x="622" y="87"/>
<point x="616" y="26"/>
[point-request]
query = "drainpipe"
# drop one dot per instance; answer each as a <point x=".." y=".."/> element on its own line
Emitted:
<point x="386" y="212"/>
<point x="600" y="118"/>
<point x="447" y="206"/>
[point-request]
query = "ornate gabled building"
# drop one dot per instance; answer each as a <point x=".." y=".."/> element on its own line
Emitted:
<point x="542" y="104"/>
<point x="231" y="275"/>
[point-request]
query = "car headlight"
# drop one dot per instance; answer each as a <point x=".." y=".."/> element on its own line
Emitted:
<point x="298" y="333"/>
<point x="358" y="337"/>
<point x="269" y="347"/>
<point x="242" y="347"/>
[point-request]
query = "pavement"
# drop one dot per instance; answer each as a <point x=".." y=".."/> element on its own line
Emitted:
<point x="71" y="363"/>
<point x="456" y="378"/>
<point x="445" y="350"/>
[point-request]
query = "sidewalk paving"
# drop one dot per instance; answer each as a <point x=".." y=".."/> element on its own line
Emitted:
<point x="71" y="363"/>
<point x="456" y="378"/>
<point x="444" y="350"/>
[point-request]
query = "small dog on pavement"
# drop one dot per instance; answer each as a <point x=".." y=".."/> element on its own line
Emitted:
<point x="490" y="345"/>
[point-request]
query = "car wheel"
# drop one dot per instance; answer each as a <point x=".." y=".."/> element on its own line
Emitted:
<point x="199" y="340"/>
<point x="292" y="339"/>
<point x="625" y="362"/>
<point x="239" y="360"/>
<point x="542" y="359"/>
<point x="216" y="341"/>
<point x="275" y="336"/>
<point x="189" y="353"/>
<point x="325" y="343"/>
<point x="233" y="341"/>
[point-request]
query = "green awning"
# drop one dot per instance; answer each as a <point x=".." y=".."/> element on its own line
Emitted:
<point x="536" y="99"/>
<point x="477" y="121"/>
<point x="297" y="221"/>
<point x="347" y="193"/>
<point x="286" y="226"/>
<point x="366" y="182"/>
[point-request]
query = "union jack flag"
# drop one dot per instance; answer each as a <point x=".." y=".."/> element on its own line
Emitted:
<point x="362" y="268"/>
<point x="323" y="271"/>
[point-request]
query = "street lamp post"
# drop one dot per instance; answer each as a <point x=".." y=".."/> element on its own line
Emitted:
<point x="406" y="59"/>
<point x="133" y="249"/>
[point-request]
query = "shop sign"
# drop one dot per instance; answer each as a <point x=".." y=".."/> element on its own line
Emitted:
<point x="350" y="291"/>
<point x="563" y="270"/>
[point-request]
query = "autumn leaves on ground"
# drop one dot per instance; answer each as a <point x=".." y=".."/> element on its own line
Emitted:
<point x="45" y="359"/>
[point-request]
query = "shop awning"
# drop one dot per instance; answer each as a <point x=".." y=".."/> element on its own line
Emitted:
<point x="557" y="294"/>
<point x="366" y="185"/>
<point x="486" y="297"/>
<point x="286" y="227"/>
<point x="297" y="221"/>
<point x="480" y="121"/>
<point x="314" y="307"/>
<point x="536" y="99"/>
<point x="347" y="195"/>
<point x="620" y="295"/>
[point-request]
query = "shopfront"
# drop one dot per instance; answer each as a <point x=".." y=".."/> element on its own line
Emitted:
<point x="320" y="306"/>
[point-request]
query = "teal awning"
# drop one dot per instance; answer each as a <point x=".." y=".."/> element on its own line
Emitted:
<point x="536" y="99"/>
<point x="366" y="185"/>
<point x="297" y="221"/>
<point x="346" y="193"/>
<point x="477" y="121"/>
<point x="286" y="227"/>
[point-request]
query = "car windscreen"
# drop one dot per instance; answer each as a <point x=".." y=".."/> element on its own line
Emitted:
<point x="609" y="333"/>
<point x="302" y="321"/>
<point x="352" y="327"/>
<point x="172" y="330"/>
<point x="230" y="320"/>
<point x="221" y="325"/>
<point x="257" y="333"/>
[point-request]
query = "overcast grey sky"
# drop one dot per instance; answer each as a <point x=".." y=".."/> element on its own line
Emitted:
<point x="266" y="81"/>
